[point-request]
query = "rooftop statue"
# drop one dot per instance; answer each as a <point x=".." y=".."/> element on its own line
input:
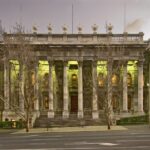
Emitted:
<point x="94" y="28"/>
<point x="49" y="27"/>
<point x="79" y="29"/>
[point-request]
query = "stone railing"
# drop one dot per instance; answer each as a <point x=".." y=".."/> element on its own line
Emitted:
<point x="85" y="39"/>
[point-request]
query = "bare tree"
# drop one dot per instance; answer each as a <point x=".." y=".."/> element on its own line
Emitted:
<point x="17" y="46"/>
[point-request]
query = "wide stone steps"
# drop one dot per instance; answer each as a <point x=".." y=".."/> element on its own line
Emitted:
<point x="45" y="122"/>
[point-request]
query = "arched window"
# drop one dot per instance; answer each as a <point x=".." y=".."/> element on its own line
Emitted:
<point x="74" y="80"/>
<point x="115" y="79"/>
<point x="46" y="102"/>
<point x="45" y="81"/>
<point x="74" y="77"/>
<point x="129" y="79"/>
<point x="33" y="78"/>
<point x="101" y="80"/>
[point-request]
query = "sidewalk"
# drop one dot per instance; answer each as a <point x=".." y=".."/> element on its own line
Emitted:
<point x="71" y="129"/>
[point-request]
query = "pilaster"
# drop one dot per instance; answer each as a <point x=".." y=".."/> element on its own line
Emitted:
<point x="80" y="90"/>
<point x="125" y="88"/>
<point x="51" y="99"/>
<point x="36" y="87"/>
<point x="21" y="86"/>
<point x="140" y="86"/>
<point x="6" y="111"/>
<point x="95" y="114"/>
<point x="65" y="91"/>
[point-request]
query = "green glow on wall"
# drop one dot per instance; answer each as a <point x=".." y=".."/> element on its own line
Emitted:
<point x="14" y="72"/>
<point x="71" y="72"/>
<point x="72" y="62"/>
<point x="43" y="68"/>
<point x="132" y="69"/>
<point x="102" y="67"/>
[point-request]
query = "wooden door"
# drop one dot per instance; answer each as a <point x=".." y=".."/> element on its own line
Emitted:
<point x="74" y="103"/>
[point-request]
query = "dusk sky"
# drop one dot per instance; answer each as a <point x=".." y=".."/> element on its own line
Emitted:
<point x="130" y="15"/>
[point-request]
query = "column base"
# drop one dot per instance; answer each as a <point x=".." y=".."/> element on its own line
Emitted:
<point x="10" y="115"/>
<point x="65" y="114"/>
<point x="80" y="114"/>
<point x="140" y="113"/>
<point x="95" y="115"/>
<point x="50" y="114"/>
<point x="125" y="113"/>
<point x="6" y="114"/>
<point x="37" y="113"/>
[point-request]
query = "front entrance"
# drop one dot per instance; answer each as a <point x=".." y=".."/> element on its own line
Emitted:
<point x="74" y="103"/>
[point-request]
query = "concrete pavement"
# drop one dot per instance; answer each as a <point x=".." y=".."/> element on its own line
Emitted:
<point x="78" y="129"/>
<point x="71" y="129"/>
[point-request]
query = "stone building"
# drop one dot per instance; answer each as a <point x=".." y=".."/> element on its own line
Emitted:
<point x="71" y="75"/>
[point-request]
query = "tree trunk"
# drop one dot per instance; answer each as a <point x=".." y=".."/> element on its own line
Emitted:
<point x="108" y="126"/>
<point x="108" y="123"/>
<point x="27" y="122"/>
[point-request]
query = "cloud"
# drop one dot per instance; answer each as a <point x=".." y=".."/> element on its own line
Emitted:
<point x="135" y="26"/>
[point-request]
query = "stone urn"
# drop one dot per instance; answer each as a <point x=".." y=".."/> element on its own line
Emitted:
<point x="79" y="29"/>
<point x="95" y="28"/>
<point x="64" y="28"/>
<point x="109" y="28"/>
<point x="49" y="27"/>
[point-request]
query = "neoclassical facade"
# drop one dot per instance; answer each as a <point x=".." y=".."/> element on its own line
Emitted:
<point x="71" y="75"/>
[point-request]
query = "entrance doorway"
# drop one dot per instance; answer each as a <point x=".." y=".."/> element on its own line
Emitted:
<point x="74" y="103"/>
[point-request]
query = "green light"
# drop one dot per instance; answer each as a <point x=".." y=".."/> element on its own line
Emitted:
<point x="43" y="62"/>
<point x="43" y="68"/>
<point x="102" y="67"/>
<point x="132" y="69"/>
<point x="72" y="62"/>
<point x="14" y="72"/>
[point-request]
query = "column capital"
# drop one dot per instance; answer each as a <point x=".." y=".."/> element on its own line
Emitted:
<point x="94" y="63"/>
<point x="140" y="62"/>
<point x="80" y="63"/>
<point x="110" y="61"/>
<point x="65" y="62"/>
<point x="50" y="62"/>
<point x="50" y="58"/>
<point x="124" y="62"/>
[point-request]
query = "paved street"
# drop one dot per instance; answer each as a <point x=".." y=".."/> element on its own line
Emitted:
<point x="134" y="138"/>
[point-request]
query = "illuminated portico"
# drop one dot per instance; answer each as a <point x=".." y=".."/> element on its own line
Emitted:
<point x="70" y="76"/>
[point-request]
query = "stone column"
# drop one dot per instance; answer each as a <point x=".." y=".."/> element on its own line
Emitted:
<point x="109" y="91"/>
<point x="65" y="91"/>
<point x="6" y="111"/>
<point x="80" y="90"/>
<point x="125" y="88"/>
<point x="21" y="87"/>
<point x="51" y="100"/>
<point x="6" y="85"/>
<point x="36" y="87"/>
<point x="95" y="114"/>
<point x="140" y="86"/>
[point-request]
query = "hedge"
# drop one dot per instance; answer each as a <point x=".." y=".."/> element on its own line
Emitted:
<point x="133" y="120"/>
<point x="12" y="124"/>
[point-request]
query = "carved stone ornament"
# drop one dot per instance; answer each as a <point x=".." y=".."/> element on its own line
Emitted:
<point x="49" y="27"/>
<point x="79" y="29"/>
<point x="94" y="28"/>
<point x="109" y="28"/>
<point x="34" y="28"/>
<point x="64" y="28"/>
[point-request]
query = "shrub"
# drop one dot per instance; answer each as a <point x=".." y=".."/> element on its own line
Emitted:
<point x="133" y="120"/>
<point x="12" y="124"/>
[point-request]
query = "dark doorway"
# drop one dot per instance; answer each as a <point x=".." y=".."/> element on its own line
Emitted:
<point x="74" y="103"/>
